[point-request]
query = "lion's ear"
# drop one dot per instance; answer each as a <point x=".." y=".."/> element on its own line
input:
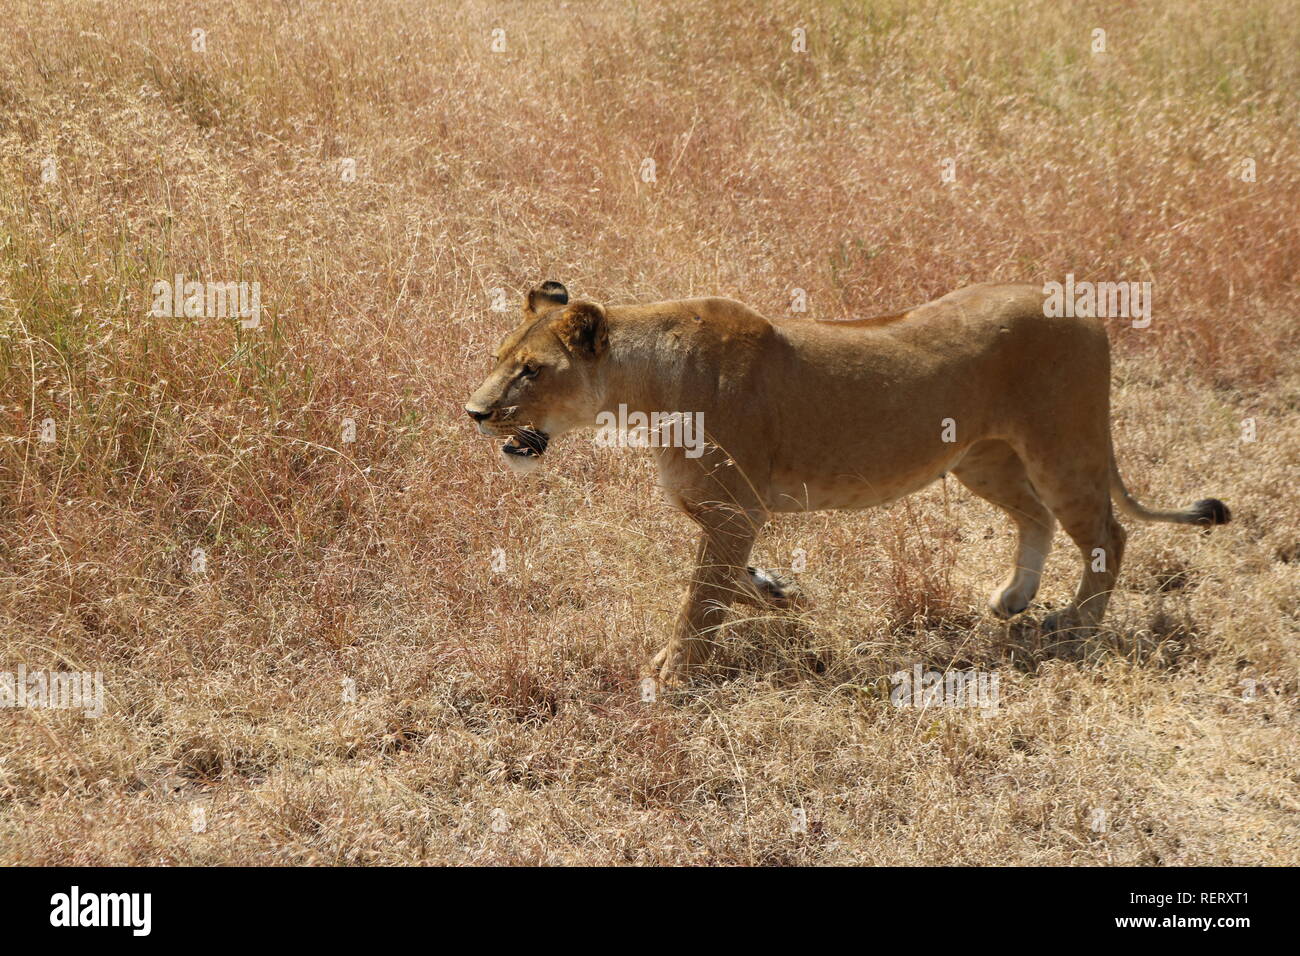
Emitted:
<point x="548" y="293"/>
<point x="583" y="329"/>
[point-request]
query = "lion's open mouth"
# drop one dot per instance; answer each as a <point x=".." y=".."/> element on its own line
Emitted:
<point x="526" y="443"/>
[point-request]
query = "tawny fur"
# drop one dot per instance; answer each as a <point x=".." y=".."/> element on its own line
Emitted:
<point x="803" y="416"/>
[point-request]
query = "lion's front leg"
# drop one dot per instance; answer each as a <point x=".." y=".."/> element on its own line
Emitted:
<point x="718" y="579"/>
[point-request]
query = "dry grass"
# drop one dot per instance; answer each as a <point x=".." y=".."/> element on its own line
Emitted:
<point x="518" y="691"/>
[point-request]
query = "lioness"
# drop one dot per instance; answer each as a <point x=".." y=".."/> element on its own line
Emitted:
<point x="804" y="416"/>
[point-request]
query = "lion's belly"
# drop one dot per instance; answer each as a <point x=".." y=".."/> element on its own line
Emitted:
<point x="845" y="484"/>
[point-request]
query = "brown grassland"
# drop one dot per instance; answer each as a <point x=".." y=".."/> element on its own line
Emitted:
<point x="368" y="562"/>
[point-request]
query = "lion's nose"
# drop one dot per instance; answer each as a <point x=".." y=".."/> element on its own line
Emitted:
<point x="475" y="414"/>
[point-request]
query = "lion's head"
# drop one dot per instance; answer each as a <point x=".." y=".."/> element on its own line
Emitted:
<point x="545" y="378"/>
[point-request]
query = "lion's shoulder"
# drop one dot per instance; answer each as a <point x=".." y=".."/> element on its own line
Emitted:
<point x="704" y="318"/>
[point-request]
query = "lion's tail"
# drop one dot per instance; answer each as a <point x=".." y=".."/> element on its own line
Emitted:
<point x="1206" y="512"/>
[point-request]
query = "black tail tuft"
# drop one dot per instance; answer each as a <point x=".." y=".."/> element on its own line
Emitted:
<point x="1211" y="511"/>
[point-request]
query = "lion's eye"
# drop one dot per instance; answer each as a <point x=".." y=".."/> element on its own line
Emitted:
<point x="530" y="371"/>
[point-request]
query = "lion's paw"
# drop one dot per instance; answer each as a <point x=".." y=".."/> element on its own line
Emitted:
<point x="772" y="589"/>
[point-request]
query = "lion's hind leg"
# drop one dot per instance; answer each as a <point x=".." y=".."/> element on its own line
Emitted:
<point x="1078" y="493"/>
<point x="993" y="471"/>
